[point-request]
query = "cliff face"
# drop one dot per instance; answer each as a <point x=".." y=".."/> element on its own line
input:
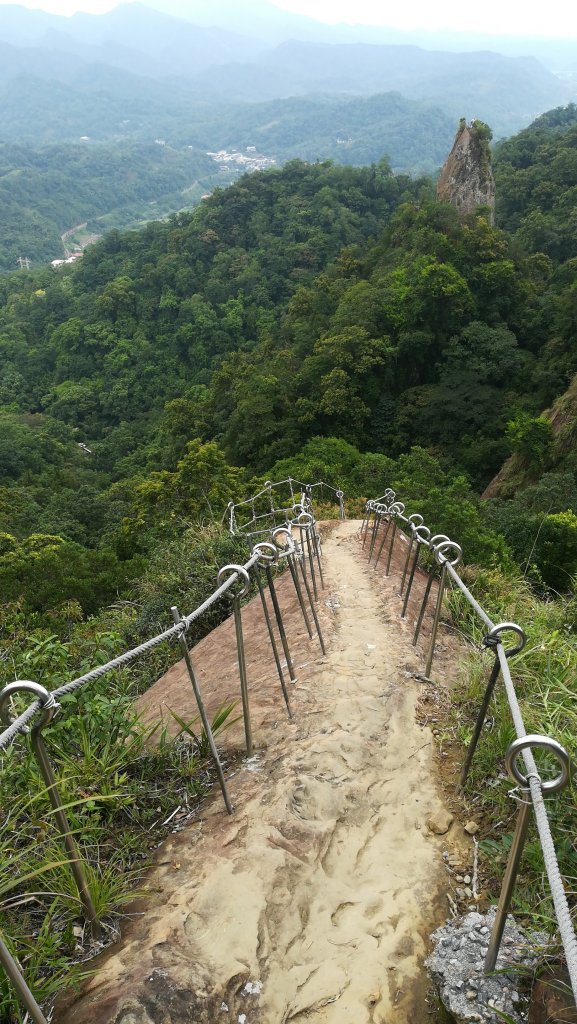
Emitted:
<point x="515" y="474"/>
<point x="466" y="179"/>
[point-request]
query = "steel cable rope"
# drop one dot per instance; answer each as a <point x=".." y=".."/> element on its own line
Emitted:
<point x="533" y="783"/>
<point x="562" y="911"/>
<point x="19" y="724"/>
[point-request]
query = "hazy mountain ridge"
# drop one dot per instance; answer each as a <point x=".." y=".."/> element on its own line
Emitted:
<point x="225" y="65"/>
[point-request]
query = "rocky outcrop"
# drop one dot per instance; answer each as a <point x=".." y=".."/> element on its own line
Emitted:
<point x="466" y="180"/>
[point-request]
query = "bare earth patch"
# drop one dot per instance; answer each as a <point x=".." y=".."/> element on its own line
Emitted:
<point x="316" y="898"/>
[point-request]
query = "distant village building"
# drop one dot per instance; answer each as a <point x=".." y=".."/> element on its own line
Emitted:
<point x="234" y="160"/>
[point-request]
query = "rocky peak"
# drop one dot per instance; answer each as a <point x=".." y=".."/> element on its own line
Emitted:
<point x="466" y="180"/>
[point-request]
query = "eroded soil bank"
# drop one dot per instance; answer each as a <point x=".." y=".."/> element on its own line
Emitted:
<point x="316" y="898"/>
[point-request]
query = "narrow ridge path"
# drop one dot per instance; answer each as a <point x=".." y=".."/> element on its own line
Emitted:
<point x="315" y="900"/>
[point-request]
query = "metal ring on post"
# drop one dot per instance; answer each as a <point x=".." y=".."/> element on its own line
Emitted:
<point x="447" y="545"/>
<point x="305" y="520"/>
<point x="243" y="576"/>
<point x="397" y="508"/>
<point x="287" y="549"/>
<point x="48" y="702"/>
<point x="437" y="539"/>
<point x="514" y="628"/>
<point x="268" y="554"/>
<point x="339" y="494"/>
<point x="412" y="520"/>
<point x="546" y="743"/>
<point x="422" y="533"/>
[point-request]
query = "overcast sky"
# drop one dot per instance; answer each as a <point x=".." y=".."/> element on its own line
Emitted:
<point x="557" y="18"/>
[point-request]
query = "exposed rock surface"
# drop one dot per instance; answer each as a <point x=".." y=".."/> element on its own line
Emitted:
<point x="466" y="180"/>
<point x="457" y="967"/>
<point x="551" y="999"/>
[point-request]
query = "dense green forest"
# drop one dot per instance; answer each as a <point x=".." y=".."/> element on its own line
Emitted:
<point x="45" y="191"/>
<point x="312" y="301"/>
<point x="327" y="321"/>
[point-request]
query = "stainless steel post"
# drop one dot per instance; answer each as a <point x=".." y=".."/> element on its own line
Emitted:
<point x="376" y="528"/>
<point x="49" y="708"/>
<point x="480" y="722"/>
<point x="16" y="979"/>
<point x="382" y="544"/>
<point x="273" y="641"/>
<point x="236" y="607"/>
<point x="422" y="534"/>
<point x="313" y="610"/>
<point x="424" y="604"/>
<point x="202" y="712"/>
<point x="413" y="525"/>
<point x="366" y="523"/>
<point x="76" y="864"/>
<point x="317" y="551"/>
<point x="492" y="640"/>
<point x="442" y="559"/>
<point x="305" y="523"/>
<point x="436" y="617"/>
<point x="393" y="535"/>
<point x="280" y="624"/>
<point x="299" y="593"/>
<point x="508" y="884"/>
<point x="407" y="559"/>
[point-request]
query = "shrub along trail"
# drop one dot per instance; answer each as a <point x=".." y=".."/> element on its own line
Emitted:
<point x="315" y="899"/>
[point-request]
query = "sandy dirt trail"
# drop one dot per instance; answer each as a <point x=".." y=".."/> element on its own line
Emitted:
<point x="315" y="900"/>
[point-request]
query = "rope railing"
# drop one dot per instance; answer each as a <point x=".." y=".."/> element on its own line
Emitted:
<point x="292" y="540"/>
<point x="385" y="518"/>
<point x="263" y="507"/>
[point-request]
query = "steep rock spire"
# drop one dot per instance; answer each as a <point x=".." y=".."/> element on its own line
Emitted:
<point x="466" y="180"/>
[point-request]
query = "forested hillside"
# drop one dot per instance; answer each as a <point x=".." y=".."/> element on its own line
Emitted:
<point x="327" y="321"/>
<point x="45" y="191"/>
<point x="310" y="302"/>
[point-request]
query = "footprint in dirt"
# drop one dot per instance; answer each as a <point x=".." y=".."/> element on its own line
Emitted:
<point x="314" y="800"/>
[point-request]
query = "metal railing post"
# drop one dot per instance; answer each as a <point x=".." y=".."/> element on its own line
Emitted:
<point x="442" y="560"/>
<point x="299" y="593"/>
<point x="382" y="544"/>
<point x="431" y="545"/>
<point x="202" y="712"/>
<point x="391" y="546"/>
<point x="317" y="550"/>
<point x="482" y="715"/>
<point x="375" y="530"/>
<point x="280" y="623"/>
<point x="421" y="539"/>
<point x="312" y="607"/>
<point x="412" y="525"/>
<point x="365" y="526"/>
<point x="236" y="607"/>
<point x="340" y="496"/>
<point x="16" y="979"/>
<point x="491" y="641"/>
<point x="49" y="708"/>
<point x="267" y="553"/>
<point x="311" y="561"/>
<point x="522" y="824"/>
<point x="508" y="883"/>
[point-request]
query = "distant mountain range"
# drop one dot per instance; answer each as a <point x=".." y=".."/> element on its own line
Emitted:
<point x="257" y="52"/>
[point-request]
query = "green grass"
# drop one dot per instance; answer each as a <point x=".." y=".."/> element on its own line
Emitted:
<point x="545" y="678"/>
